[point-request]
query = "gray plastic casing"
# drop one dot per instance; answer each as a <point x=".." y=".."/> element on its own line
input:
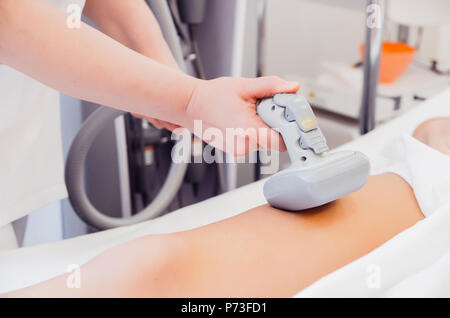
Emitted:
<point x="300" y="188"/>
<point x="315" y="177"/>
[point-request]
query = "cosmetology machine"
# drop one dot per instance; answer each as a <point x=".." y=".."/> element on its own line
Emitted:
<point x="315" y="177"/>
<point x="154" y="181"/>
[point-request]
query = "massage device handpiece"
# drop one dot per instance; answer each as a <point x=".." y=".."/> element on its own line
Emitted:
<point x="315" y="177"/>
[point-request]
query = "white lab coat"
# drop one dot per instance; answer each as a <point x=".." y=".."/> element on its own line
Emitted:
<point x="31" y="160"/>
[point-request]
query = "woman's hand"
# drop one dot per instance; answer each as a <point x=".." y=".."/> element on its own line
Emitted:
<point x="226" y="103"/>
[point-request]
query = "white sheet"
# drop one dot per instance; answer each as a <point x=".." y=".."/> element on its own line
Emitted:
<point x="413" y="263"/>
<point x="426" y="169"/>
<point x="27" y="266"/>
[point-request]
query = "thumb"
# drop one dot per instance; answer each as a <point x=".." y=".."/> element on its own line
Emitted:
<point x="270" y="85"/>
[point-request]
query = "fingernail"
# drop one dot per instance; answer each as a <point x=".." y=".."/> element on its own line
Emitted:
<point x="293" y="84"/>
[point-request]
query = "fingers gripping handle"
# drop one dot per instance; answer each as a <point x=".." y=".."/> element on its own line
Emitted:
<point x="292" y="116"/>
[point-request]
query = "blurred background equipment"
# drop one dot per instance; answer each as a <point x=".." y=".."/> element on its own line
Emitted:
<point x="318" y="43"/>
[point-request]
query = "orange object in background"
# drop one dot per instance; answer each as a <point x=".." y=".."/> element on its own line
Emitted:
<point x="395" y="59"/>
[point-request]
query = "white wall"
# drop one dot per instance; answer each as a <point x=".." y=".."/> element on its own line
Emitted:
<point x="436" y="46"/>
<point x="300" y="34"/>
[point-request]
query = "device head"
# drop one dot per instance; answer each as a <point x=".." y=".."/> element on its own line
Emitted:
<point x="332" y="177"/>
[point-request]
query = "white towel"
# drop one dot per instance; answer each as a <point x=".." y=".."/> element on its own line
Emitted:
<point x="424" y="168"/>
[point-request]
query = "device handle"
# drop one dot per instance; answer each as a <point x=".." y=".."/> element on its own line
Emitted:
<point x="292" y="116"/>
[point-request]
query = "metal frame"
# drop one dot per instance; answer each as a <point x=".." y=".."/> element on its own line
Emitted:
<point x="372" y="56"/>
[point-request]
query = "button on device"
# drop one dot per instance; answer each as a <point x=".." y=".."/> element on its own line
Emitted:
<point x="308" y="124"/>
